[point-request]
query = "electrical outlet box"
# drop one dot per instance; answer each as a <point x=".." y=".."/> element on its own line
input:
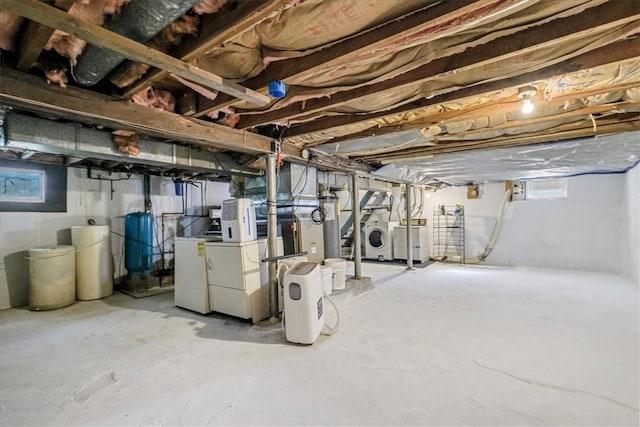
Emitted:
<point x="473" y="191"/>
<point x="518" y="190"/>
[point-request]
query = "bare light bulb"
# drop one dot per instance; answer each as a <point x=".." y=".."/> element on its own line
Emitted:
<point x="527" y="106"/>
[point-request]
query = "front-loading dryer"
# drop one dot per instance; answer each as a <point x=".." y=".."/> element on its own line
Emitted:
<point x="378" y="240"/>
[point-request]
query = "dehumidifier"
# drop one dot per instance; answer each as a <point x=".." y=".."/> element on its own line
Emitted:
<point x="303" y="303"/>
<point x="238" y="221"/>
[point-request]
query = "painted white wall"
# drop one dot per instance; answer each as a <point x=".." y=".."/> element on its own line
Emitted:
<point x="631" y="207"/>
<point x="586" y="231"/>
<point x="87" y="199"/>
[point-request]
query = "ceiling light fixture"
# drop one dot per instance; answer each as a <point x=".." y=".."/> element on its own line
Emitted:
<point x="526" y="93"/>
<point x="527" y="106"/>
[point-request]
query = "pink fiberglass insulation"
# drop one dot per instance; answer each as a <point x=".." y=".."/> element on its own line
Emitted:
<point x="208" y="6"/>
<point x="126" y="141"/>
<point x="9" y="27"/>
<point x="155" y="98"/>
<point x="91" y="11"/>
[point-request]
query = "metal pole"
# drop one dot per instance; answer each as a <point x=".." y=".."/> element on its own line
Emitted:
<point x="272" y="235"/>
<point x="409" y="234"/>
<point x="355" y="211"/>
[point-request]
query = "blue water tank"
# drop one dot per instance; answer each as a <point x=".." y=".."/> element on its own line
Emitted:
<point x="138" y="244"/>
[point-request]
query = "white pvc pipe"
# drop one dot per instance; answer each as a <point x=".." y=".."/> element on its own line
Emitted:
<point x="272" y="234"/>
<point x="408" y="198"/>
<point x="355" y="212"/>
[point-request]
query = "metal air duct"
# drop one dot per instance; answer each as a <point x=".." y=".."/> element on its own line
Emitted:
<point x="140" y="20"/>
<point x="69" y="139"/>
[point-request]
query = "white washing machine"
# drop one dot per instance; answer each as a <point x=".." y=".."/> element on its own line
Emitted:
<point x="378" y="237"/>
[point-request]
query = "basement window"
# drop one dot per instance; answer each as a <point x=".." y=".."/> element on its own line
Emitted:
<point x="546" y="190"/>
<point x="32" y="187"/>
<point x="22" y="185"/>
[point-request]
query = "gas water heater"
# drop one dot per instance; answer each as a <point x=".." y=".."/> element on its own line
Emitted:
<point x="303" y="303"/>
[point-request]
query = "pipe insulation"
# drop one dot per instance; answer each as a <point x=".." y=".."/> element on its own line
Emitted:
<point x="140" y="20"/>
<point x="497" y="227"/>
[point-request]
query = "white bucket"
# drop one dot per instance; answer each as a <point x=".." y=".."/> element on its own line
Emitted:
<point x="94" y="262"/>
<point x="327" y="278"/>
<point x="52" y="277"/>
<point x="339" y="266"/>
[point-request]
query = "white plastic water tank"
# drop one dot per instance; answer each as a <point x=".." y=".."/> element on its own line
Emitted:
<point x="52" y="277"/>
<point x="94" y="262"/>
<point x="303" y="303"/>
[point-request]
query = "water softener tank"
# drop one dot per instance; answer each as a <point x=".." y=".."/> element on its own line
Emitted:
<point x="331" y="227"/>
<point x="94" y="261"/>
<point x="138" y="246"/>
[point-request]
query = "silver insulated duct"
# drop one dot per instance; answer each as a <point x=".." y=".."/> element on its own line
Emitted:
<point x="140" y="20"/>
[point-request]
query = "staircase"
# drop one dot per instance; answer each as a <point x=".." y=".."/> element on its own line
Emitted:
<point x="373" y="198"/>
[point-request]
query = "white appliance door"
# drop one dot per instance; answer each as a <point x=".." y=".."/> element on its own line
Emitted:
<point x="191" y="291"/>
<point x="235" y="266"/>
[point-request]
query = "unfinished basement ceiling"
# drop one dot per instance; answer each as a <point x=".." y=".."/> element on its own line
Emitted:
<point x="597" y="154"/>
<point x="375" y="82"/>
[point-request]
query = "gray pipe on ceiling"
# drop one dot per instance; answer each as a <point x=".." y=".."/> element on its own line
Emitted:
<point x="139" y="20"/>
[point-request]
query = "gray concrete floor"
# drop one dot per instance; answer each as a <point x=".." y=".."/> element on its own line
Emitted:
<point x="445" y="345"/>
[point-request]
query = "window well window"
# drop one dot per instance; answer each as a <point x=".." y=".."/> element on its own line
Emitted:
<point x="32" y="187"/>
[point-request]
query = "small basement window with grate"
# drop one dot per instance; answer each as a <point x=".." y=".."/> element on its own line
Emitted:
<point x="548" y="189"/>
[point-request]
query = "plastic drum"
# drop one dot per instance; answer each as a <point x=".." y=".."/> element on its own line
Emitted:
<point x="93" y="261"/>
<point x="52" y="277"/>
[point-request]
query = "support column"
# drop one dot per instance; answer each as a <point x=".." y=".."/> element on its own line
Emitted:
<point x="355" y="211"/>
<point x="272" y="235"/>
<point x="409" y="234"/>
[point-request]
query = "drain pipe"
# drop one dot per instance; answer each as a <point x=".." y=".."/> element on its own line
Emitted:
<point x="355" y="211"/>
<point x="409" y="202"/>
<point x="139" y="21"/>
<point x="272" y="235"/>
<point x="497" y="227"/>
<point x="146" y="185"/>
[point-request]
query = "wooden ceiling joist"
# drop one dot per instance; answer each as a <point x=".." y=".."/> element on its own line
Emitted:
<point x="33" y="94"/>
<point x="606" y="125"/>
<point x="35" y="38"/>
<point x="366" y="42"/>
<point x="615" y="52"/>
<point x="559" y="31"/>
<point x="215" y="30"/>
<point x="492" y="108"/>
<point x="47" y="15"/>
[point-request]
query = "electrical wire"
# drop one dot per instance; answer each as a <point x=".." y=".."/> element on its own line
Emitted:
<point x="304" y="185"/>
<point x="76" y="250"/>
<point x="332" y="329"/>
<point x="318" y="215"/>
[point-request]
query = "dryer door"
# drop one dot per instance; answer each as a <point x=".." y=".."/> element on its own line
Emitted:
<point x="377" y="238"/>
